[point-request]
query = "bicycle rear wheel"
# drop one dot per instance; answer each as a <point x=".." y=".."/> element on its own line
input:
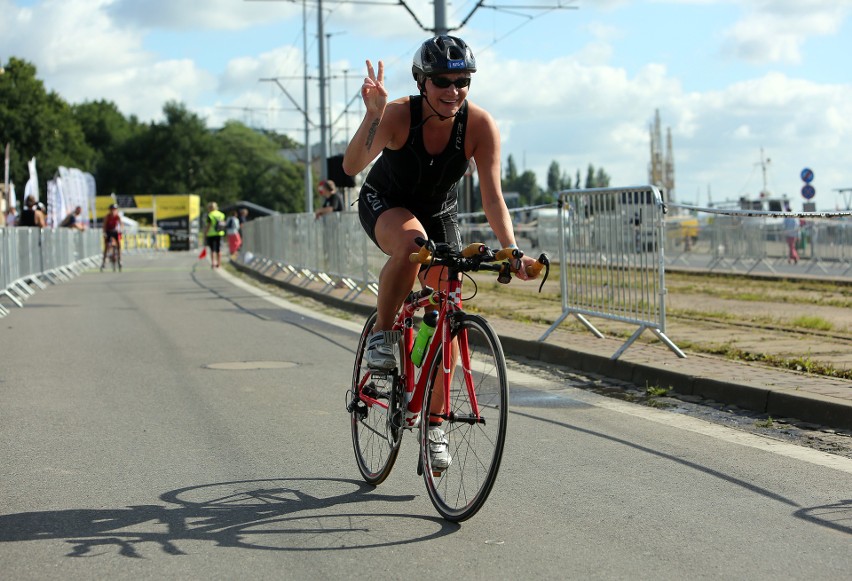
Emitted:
<point x="475" y="441"/>
<point x="375" y="435"/>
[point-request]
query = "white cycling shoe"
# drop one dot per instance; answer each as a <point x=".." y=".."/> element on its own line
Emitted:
<point x="439" y="450"/>
<point x="380" y="352"/>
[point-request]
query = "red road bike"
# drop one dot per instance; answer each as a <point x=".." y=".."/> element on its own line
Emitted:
<point x="464" y="367"/>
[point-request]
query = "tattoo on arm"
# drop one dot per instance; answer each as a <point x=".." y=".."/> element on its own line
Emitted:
<point x="372" y="134"/>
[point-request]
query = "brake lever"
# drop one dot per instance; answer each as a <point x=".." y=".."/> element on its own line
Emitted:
<point x="505" y="274"/>
<point x="545" y="260"/>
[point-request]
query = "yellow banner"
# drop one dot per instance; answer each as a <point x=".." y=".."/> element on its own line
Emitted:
<point x="162" y="207"/>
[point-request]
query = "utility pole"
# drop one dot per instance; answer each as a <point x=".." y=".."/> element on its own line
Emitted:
<point x="309" y="185"/>
<point x="329" y="77"/>
<point x="322" y="87"/>
<point x="441" y="17"/>
<point x="764" y="162"/>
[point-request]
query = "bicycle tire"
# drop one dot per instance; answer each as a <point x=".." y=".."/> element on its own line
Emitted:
<point x="476" y="448"/>
<point x="375" y="438"/>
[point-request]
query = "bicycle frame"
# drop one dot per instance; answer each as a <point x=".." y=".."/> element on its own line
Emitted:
<point x="458" y="383"/>
<point x="450" y="303"/>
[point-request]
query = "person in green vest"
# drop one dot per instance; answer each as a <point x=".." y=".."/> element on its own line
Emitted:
<point x="214" y="233"/>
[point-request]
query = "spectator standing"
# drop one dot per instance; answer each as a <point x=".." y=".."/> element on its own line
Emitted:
<point x="32" y="214"/>
<point x="243" y="218"/>
<point x="11" y="217"/>
<point x="214" y="235"/>
<point x="333" y="200"/>
<point x="791" y="234"/>
<point x="232" y="231"/>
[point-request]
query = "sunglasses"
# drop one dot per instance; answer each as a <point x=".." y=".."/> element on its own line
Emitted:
<point x="444" y="82"/>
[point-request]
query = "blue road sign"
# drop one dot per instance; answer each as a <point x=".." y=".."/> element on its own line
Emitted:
<point x="808" y="191"/>
<point x="807" y="175"/>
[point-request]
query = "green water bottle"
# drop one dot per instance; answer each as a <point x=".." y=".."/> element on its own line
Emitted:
<point x="424" y="333"/>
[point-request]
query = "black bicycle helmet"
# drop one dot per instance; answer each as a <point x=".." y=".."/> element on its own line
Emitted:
<point x="441" y="55"/>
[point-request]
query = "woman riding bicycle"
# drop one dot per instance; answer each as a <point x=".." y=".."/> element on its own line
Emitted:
<point x="427" y="142"/>
<point x="112" y="233"/>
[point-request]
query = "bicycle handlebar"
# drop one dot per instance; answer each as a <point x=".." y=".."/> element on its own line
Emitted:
<point x="478" y="257"/>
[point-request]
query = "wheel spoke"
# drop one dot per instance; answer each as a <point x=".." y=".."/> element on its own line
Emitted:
<point x="478" y="383"/>
<point x="375" y="441"/>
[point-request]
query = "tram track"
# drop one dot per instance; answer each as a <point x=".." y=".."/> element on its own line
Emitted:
<point x="783" y="330"/>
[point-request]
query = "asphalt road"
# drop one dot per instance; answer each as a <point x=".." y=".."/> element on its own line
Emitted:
<point x="166" y="422"/>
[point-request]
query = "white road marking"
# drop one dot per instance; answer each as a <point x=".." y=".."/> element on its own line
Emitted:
<point x="687" y="423"/>
<point x="285" y="304"/>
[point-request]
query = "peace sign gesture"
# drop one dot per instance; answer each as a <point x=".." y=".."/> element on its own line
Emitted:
<point x="373" y="90"/>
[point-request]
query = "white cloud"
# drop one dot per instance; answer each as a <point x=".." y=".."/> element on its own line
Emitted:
<point x="83" y="55"/>
<point x="210" y="14"/>
<point x="774" y="31"/>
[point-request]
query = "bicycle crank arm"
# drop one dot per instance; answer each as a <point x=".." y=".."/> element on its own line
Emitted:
<point x="464" y="419"/>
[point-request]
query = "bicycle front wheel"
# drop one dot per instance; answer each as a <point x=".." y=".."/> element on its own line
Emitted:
<point x="373" y="403"/>
<point x="475" y="425"/>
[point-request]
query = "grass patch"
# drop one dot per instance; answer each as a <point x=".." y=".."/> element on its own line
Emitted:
<point x="767" y="423"/>
<point x="652" y="392"/>
<point x="809" y="322"/>
<point x="656" y="391"/>
<point x="804" y="364"/>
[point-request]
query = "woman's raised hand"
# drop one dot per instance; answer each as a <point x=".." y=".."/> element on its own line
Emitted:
<point x="373" y="90"/>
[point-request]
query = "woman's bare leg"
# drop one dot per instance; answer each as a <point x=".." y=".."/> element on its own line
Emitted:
<point x="395" y="232"/>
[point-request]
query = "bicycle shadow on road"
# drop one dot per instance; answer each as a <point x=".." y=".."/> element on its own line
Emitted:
<point x="281" y="514"/>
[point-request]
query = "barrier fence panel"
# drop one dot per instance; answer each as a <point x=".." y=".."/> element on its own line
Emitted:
<point x="333" y="250"/>
<point x="610" y="243"/>
<point x="28" y="255"/>
<point x="754" y="241"/>
<point x="611" y="248"/>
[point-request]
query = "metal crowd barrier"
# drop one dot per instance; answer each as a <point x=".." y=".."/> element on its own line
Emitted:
<point x="612" y="266"/>
<point x="746" y="241"/>
<point x="32" y="257"/>
<point x="333" y="250"/>
<point x="610" y="244"/>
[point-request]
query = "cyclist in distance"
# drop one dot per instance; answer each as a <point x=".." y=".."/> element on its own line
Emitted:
<point x="112" y="231"/>
<point x="427" y="142"/>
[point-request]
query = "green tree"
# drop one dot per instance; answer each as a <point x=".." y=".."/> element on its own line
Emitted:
<point x="281" y="141"/>
<point x="527" y="187"/>
<point x="595" y="179"/>
<point x="554" y="177"/>
<point x="590" y="177"/>
<point x="37" y="123"/>
<point x="106" y="131"/>
<point x="174" y="157"/>
<point x="511" y="170"/>
<point x="251" y="166"/>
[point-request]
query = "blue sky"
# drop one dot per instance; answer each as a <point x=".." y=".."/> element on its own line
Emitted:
<point x="578" y="86"/>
